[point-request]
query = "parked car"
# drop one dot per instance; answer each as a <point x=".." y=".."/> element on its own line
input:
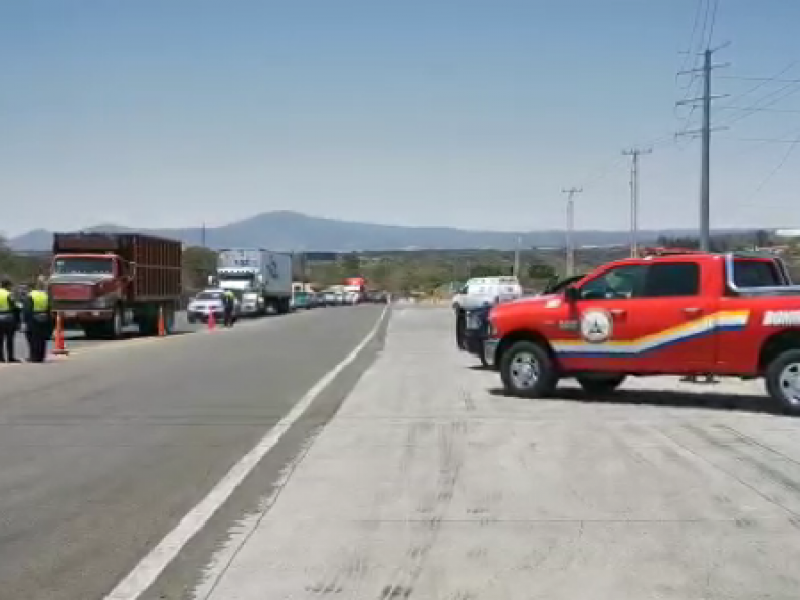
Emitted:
<point x="209" y="302"/>
<point x="301" y="300"/>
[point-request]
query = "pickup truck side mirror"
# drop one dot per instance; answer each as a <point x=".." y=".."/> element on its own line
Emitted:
<point x="572" y="294"/>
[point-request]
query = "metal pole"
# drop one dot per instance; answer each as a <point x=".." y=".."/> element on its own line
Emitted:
<point x="570" y="230"/>
<point x="705" y="185"/>
<point x="570" y="270"/>
<point x="634" y="183"/>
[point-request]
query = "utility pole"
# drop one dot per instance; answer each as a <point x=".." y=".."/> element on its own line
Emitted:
<point x="634" y="153"/>
<point x="705" y="134"/>
<point x="516" y="256"/>
<point x="203" y="235"/>
<point x="571" y="229"/>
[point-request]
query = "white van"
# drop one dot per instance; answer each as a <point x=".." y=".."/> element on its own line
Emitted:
<point x="480" y="291"/>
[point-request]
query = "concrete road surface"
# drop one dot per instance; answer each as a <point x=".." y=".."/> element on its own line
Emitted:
<point x="103" y="453"/>
<point x="429" y="483"/>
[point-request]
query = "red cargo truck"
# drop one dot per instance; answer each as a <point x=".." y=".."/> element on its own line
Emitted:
<point x="100" y="282"/>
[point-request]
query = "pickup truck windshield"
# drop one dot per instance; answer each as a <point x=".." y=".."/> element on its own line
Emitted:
<point x="83" y="266"/>
<point x="209" y="296"/>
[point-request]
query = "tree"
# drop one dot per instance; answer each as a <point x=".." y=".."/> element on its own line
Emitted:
<point x="484" y="270"/>
<point x="198" y="264"/>
<point x="540" y="271"/>
<point x="351" y="264"/>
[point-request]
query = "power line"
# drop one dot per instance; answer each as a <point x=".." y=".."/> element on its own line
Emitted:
<point x="774" y="97"/>
<point x="713" y="23"/>
<point x="774" y="171"/>
<point x="766" y="110"/>
<point x="764" y="79"/>
<point x="690" y="51"/>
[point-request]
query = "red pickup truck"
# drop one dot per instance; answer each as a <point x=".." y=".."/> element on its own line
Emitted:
<point x="669" y="313"/>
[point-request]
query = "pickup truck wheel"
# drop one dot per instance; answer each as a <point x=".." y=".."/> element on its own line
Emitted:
<point x="783" y="380"/>
<point x="600" y="384"/>
<point x="461" y="327"/>
<point x="527" y="370"/>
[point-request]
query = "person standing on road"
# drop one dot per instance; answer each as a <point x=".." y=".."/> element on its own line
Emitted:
<point x="228" y="302"/>
<point x="38" y="321"/>
<point x="9" y="322"/>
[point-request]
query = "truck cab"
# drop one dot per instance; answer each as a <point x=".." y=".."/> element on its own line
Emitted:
<point x="86" y="288"/>
<point x="101" y="282"/>
<point x="668" y="313"/>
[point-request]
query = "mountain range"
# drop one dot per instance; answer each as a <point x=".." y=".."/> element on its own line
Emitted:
<point x="292" y="231"/>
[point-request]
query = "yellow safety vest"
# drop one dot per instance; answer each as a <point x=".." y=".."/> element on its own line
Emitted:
<point x="5" y="300"/>
<point x="41" y="301"/>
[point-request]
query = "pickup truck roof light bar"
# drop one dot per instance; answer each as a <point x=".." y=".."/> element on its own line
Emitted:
<point x="650" y="252"/>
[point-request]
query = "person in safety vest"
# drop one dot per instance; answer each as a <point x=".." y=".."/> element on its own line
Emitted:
<point x="9" y="322"/>
<point x="229" y="302"/>
<point x="38" y="321"/>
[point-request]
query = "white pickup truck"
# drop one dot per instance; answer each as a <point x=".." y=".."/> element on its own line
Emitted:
<point x="482" y="291"/>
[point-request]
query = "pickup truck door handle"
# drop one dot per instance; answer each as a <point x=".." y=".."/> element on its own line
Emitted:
<point x="617" y="312"/>
<point x="692" y="310"/>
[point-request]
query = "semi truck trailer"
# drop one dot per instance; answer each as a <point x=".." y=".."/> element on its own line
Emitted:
<point x="101" y="282"/>
<point x="260" y="278"/>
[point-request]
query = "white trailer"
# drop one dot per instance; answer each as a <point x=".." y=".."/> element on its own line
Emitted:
<point x="261" y="278"/>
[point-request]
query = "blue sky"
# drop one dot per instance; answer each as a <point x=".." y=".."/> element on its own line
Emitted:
<point x="427" y="112"/>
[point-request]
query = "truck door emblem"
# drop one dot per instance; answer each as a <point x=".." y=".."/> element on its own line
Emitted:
<point x="596" y="326"/>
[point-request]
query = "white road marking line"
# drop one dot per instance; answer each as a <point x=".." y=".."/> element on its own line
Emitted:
<point x="153" y="564"/>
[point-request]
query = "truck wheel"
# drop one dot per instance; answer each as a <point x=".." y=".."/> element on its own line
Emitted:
<point x="783" y="380"/>
<point x="461" y="327"/>
<point x="484" y="362"/>
<point x="527" y="370"/>
<point x="600" y="384"/>
<point x="115" y="326"/>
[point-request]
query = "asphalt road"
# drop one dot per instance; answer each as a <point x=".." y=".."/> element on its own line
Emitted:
<point x="430" y="483"/>
<point x="77" y="340"/>
<point x="103" y="452"/>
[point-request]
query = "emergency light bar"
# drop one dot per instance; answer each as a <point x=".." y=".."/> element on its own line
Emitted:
<point x="670" y="252"/>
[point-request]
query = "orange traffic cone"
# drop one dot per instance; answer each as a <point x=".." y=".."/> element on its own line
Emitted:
<point x="211" y="321"/>
<point x="162" y="330"/>
<point x="59" y="346"/>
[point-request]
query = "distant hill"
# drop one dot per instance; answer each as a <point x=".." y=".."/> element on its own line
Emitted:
<point x="287" y="230"/>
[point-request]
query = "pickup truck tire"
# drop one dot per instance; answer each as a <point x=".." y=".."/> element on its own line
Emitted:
<point x="461" y="327"/>
<point x="783" y="381"/>
<point x="600" y="384"/>
<point x="527" y="370"/>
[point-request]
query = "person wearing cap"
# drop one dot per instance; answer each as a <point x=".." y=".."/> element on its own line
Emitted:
<point x="38" y="320"/>
<point x="9" y="322"/>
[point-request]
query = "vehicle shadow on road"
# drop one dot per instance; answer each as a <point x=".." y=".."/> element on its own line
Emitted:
<point x="704" y="400"/>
